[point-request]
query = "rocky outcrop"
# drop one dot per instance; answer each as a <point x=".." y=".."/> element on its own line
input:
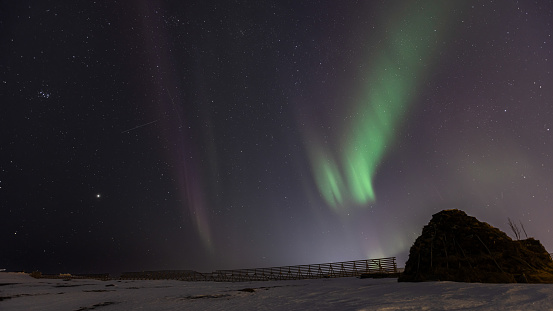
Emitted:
<point x="456" y="247"/>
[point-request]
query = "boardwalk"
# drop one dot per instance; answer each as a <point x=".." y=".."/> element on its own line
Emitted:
<point x="380" y="266"/>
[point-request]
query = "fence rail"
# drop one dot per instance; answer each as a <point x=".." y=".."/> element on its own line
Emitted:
<point x="380" y="266"/>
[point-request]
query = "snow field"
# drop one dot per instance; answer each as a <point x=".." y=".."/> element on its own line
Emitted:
<point x="21" y="292"/>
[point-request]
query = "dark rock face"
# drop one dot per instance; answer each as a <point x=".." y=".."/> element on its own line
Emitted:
<point x="457" y="247"/>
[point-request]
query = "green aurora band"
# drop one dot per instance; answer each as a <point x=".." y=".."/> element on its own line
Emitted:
<point x="396" y="74"/>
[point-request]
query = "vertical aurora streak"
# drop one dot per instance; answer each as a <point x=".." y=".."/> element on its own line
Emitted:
<point x="409" y="46"/>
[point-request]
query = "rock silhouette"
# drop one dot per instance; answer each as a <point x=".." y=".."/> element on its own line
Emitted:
<point x="456" y="247"/>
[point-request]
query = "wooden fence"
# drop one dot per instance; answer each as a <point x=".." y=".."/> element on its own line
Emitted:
<point x="366" y="267"/>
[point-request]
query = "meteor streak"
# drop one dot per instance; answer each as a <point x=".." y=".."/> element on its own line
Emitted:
<point x="139" y="126"/>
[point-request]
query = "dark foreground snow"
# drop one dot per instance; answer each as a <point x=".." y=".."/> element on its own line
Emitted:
<point x="21" y="292"/>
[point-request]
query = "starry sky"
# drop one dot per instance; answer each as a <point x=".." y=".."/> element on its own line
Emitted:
<point x="157" y="134"/>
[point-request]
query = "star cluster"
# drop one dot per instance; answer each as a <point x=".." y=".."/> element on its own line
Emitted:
<point x="212" y="134"/>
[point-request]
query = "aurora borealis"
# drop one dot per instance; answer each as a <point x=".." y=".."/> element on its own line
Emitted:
<point x="388" y="89"/>
<point x="212" y="135"/>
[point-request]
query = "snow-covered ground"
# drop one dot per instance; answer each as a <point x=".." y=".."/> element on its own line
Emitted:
<point x="21" y="292"/>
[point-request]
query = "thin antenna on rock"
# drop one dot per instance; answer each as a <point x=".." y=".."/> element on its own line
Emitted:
<point x="515" y="229"/>
<point x="522" y="226"/>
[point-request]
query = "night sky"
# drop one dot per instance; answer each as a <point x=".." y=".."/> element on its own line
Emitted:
<point x="148" y="135"/>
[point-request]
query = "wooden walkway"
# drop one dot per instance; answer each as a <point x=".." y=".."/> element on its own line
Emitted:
<point x="366" y="267"/>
